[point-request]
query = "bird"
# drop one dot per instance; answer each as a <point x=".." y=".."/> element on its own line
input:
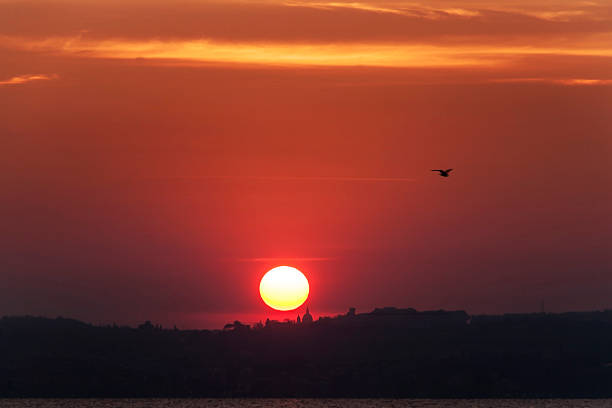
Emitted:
<point x="444" y="173"/>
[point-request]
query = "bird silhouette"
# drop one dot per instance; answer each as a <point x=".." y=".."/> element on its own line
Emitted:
<point x="444" y="173"/>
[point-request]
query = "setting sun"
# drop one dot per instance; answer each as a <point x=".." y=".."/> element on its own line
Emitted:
<point x="284" y="288"/>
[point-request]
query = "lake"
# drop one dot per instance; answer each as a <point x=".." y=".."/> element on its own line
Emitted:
<point x="302" y="403"/>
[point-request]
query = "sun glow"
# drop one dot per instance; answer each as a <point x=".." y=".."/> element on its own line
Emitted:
<point x="284" y="288"/>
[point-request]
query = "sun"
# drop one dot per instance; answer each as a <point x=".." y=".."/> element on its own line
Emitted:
<point x="284" y="288"/>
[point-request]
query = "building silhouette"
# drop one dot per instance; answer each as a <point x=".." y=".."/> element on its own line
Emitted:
<point x="307" y="318"/>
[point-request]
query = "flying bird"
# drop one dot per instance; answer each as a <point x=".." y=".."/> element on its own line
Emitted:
<point x="444" y="173"/>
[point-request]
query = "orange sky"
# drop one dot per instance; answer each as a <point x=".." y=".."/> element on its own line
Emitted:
<point x="159" y="156"/>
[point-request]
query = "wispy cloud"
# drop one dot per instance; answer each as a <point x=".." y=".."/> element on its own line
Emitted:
<point x="558" y="15"/>
<point x="415" y="10"/>
<point x="436" y="21"/>
<point x="22" y="79"/>
<point x="585" y="81"/>
<point x="557" y="81"/>
<point x="313" y="54"/>
<point x="349" y="5"/>
<point x="281" y="54"/>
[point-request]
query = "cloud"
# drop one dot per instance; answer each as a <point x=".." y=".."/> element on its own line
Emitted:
<point x="373" y="33"/>
<point x="22" y="79"/>
<point x="282" y="54"/>
<point x="586" y="81"/>
<point x="496" y="40"/>
<point x="260" y="53"/>
<point x="349" y="5"/>
<point x="413" y="11"/>
<point x="557" y="81"/>
<point x="559" y="15"/>
<point x="437" y="21"/>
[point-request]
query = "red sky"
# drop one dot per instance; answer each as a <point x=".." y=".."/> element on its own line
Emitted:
<point x="159" y="156"/>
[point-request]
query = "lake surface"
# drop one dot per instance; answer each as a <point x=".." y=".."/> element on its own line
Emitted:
<point x="300" y="403"/>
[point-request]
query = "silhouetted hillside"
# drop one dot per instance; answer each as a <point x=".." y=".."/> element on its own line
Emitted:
<point x="389" y="352"/>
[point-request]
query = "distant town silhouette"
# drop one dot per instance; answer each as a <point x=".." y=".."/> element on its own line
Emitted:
<point x="388" y="352"/>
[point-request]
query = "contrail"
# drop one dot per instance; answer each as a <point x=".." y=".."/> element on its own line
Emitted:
<point x="294" y="259"/>
<point x="305" y="178"/>
<point x="22" y="79"/>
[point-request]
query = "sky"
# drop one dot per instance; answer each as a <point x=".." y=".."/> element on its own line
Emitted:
<point x="158" y="157"/>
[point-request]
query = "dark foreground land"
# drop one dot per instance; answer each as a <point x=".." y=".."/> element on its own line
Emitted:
<point x="387" y="353"/>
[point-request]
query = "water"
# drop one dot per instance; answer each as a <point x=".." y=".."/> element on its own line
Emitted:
<point x="301" y="403"/>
